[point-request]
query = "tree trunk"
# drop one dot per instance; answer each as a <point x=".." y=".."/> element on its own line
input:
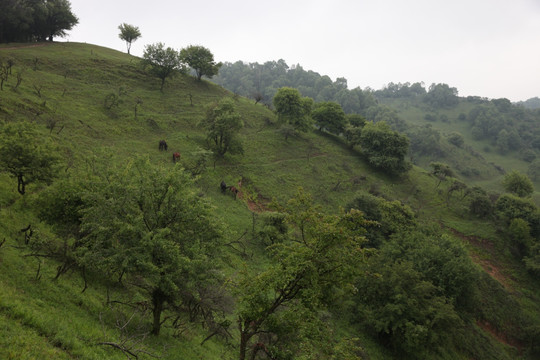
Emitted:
<point x="21" y="184"/>
<point x="158" y="299"/>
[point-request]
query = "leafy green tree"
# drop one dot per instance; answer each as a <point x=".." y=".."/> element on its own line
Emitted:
<point x="509" y="206"/>
<point x="517" y="183"/>
<point x="163" y="62"/>
<point x="456" y="139"/>
<point x="388" y="217"/>
<point x="293" y="109"/>
<point x="222" y="124"/>
<point x="356" y="120"/>
<point x="384" y="149"/>
<point x="36" y="20"/>
<point x="318" y="259"/>
<point x="420" y="284"/>
<point x="329" y="116"/>
<point x="128" y="33"/>
<point x="441" y="95"/>
<point x="148" y="225"/>
<point x="479" y="202"/>
<point x="441" y="171"/>
<point x="26" y="155"/>
<point x="201" y="60"/>
<point x="59" y="18"/>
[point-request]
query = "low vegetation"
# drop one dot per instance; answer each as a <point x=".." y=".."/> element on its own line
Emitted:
<point x="295" y="233"/>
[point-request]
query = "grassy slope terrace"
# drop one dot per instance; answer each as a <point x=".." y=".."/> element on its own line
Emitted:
<point x="67" y="88"/>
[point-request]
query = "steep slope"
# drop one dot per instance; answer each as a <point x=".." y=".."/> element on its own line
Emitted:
<point x="99" y="106"/>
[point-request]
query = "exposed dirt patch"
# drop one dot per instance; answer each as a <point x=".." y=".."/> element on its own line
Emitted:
<point x="489" y="266"/>
<point x="258" y="206"/>
<point x="501" y="337"/>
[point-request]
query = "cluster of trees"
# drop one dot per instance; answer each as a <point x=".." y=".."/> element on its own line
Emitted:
<point x="438" y="95"/>
<point x="166" y="62"/>
<point x="261" y="82"/>
<point x="419" y="287"/>
<point x="383" y="148"/>
<point x="35" y="20"/>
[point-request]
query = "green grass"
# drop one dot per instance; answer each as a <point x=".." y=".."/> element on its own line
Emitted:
<point x="49" y="319"/>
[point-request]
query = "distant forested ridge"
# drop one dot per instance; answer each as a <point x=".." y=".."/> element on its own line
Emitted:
<point x="532" y="103"/>
<point x="506" y="126"/>
<point x="261" y="81"/>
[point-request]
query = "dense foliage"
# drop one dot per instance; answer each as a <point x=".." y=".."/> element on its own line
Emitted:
<point x="25" y="20"/>
<point x="128" y="33"/>
<point x="422" y="266"/>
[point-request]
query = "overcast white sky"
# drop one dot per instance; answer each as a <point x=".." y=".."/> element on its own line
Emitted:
<point x="488" y="48"/>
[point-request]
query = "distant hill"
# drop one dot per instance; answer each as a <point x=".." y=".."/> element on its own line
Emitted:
<point x="532" y="103"/>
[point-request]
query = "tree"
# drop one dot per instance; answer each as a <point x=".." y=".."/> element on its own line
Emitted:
<point x="128" y="33"/>
<point x="329" y="115"/>
<point x="517" y="183"/>
<point x="26" y="155"/>
<point x="222" y="124"/>
<point x="384" y="149"/>
<point x="419" y="284"/>
<point x="163" y="62"/>
<point x="59" y="18"/>
<point x="441" y="95"/>
<point x="293" y="109"/>
<point x="201" y="60"/>
<point x="318" y="258"/>
<point x="35" y="20"/>
<point x="148" y="224"/>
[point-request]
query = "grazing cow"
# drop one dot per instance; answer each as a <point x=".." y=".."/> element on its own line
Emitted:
<point x="175" y="157"/>
<point x="234" y="191"/>
<point x="162" y="145"/>
<point x="223" y="187"/>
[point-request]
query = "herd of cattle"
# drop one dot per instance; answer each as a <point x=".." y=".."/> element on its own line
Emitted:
<point x="176" y="157"/>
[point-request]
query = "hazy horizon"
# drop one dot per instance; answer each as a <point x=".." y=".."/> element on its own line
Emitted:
<point x="483" y="48"/>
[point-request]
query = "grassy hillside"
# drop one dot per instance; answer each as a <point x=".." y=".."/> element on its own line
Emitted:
<point x="101" y="109"/>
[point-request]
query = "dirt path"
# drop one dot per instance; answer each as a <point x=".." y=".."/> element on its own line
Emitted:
<point x="489" y="266"/>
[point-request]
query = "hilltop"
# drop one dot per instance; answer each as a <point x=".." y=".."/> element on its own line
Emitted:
<point x="101" y="111"/>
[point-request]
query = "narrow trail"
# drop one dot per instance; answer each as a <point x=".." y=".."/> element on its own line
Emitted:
<point x="489" y="266"/>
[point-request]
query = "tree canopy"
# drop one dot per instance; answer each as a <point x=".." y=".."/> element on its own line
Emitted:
<point x="320" y="256"/>
<point x="163" y="62"/>
<point x="293" y="109"/>
<point x="517" y="183"/>
<point x="222" y="123"/>
<point x="330" y="116"/>
<point x="128" y="33"/>
<point x="27" y="156"/>
<point x="38" y="20"/>
<point x="201" y="60"/>
<point x="148" y="224"/>
<point x="384" y="149"/>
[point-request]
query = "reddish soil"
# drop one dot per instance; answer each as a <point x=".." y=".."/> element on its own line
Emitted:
<point x="489" y="266"/>
<point x="503" y="338"/>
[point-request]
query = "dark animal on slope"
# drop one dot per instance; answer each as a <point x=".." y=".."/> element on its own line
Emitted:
<point x="175" y="157"/>
<point x="223" y="187"/>
<point x="162" y="145"/>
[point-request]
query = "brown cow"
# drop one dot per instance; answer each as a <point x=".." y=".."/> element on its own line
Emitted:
<point x="234" y="191"/>
<point x="175" y="157"/>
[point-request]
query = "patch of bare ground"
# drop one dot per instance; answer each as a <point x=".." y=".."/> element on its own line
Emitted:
<point x="501" y="337"/>
<point x="258" y="205"/>
<point x="489" y="266"/>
